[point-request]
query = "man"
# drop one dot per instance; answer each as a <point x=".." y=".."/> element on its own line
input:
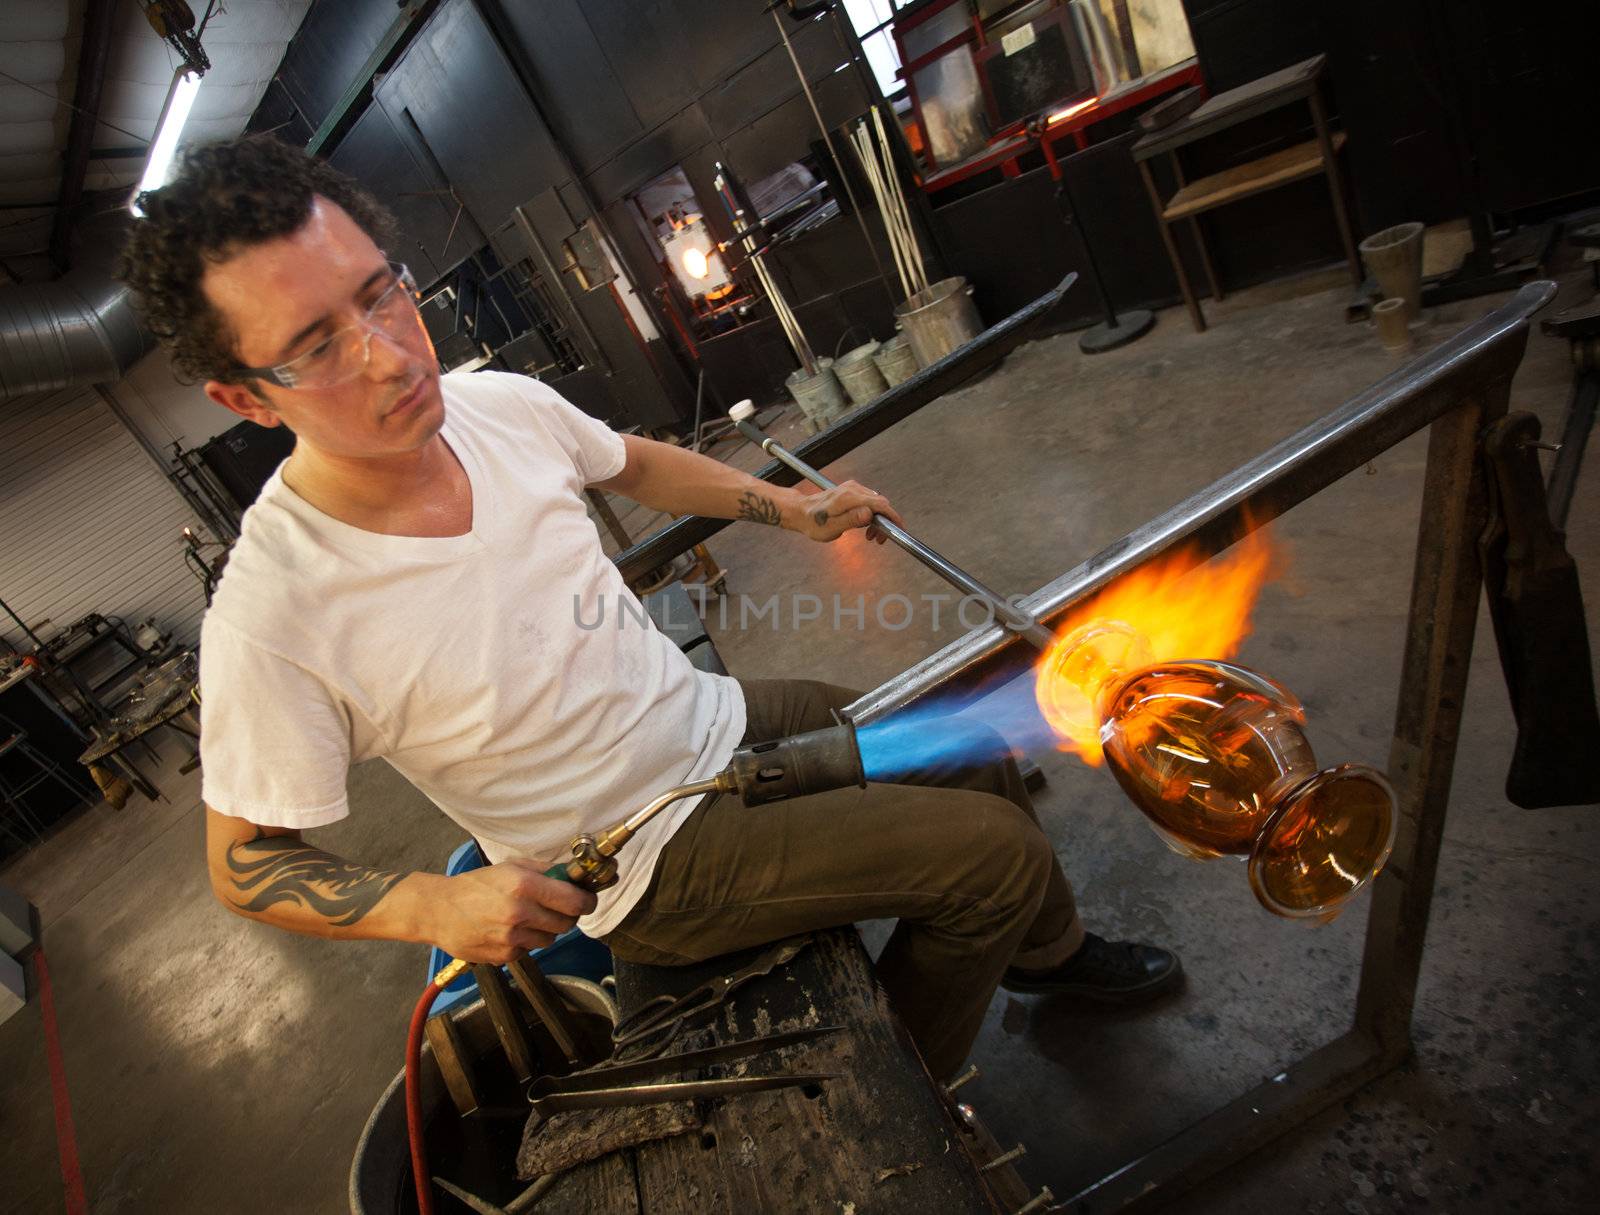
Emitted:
<point x="410" y="584"/>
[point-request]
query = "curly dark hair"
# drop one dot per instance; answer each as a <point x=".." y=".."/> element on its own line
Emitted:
<point x="224" y="198"/>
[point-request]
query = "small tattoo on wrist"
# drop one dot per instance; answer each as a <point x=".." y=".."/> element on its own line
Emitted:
<point x="819" y="517"/>
<point x="756" y="509"/>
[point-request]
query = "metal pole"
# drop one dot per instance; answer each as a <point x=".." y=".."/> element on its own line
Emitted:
<point x="827" y="138"/>
<point x="896" y="237"/>
<point x="1575" y="431"/>
<point x="1444" y="614"/>
<point x="23" y="625"/>
<point x="1017" y="621"/>
<point x="869" y="165"/>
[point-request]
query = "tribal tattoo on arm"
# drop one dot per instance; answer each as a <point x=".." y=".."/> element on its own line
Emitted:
<point x="757" y="509"/>
<point x="272" y="869"/>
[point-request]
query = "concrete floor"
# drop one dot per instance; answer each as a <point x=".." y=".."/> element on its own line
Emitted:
<point x="219" y="1066"/>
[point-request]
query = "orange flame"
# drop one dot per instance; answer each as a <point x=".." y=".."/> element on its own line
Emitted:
<point x="1180" y="607"/>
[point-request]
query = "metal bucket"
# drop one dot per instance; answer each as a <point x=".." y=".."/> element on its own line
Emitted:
<point x="939" y="319"/>
<point x="820" y="396"/>
<point x="896" y="360"/>
<point x="859" y="373"/>
<point x="380" y="1170"/>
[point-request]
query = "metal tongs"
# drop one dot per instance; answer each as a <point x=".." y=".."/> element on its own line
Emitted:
<point x="663" y="1015"/>
<point x="638" y="1083"/>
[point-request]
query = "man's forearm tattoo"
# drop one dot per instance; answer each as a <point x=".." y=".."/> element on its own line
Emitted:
<point x="756" y="509"/>
<point x="272" y="869"/>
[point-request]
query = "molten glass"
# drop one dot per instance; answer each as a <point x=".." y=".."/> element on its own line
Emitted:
<point x="1214" y="755"/>
<point x="1183" y="605"/>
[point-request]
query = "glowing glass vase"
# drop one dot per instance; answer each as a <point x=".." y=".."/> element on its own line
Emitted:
<point x="1215" y="757"/>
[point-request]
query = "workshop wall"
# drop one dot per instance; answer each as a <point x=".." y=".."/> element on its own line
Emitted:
<point x="633" y="91"/>
<point x="516" y="126"/>
<point x="563" y="110"/>
<point x="166" y="411"/>
<point x="90" y="523"/>
<point x="1515" y="78"/>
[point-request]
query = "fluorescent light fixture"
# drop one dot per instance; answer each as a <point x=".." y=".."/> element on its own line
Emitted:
<point x="174" y="113"/>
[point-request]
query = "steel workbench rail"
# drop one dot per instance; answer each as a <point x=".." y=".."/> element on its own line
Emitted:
<point x="1456" y="388"/>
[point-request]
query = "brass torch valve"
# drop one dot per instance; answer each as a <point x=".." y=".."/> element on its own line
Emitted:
<point x="814" y="762"/>
<point x="589" y="867"/>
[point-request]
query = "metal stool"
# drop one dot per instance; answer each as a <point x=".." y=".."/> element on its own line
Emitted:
<point x="14" y="742"/>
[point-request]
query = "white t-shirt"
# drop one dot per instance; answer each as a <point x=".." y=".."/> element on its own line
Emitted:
<point x="471" y="663"/>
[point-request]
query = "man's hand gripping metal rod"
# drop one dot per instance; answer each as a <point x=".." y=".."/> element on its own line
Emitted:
<point x="1017" y="621"/>
<point x="806" y="763"/>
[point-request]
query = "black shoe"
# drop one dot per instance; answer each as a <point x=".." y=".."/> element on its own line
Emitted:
<point x="1112" y="972"/>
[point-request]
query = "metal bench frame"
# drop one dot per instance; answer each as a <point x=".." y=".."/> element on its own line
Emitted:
<point x="1456" y="389"/>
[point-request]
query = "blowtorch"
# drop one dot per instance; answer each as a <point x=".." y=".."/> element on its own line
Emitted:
<point x="802" y="764"/>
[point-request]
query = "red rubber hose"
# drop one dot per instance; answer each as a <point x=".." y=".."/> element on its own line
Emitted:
<point x="419" y="1145"/>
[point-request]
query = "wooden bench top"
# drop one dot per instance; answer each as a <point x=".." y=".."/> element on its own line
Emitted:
<point x="879" y="1138"/>
<point x="1235" y="106"/>
<point x="1278" y="169"/>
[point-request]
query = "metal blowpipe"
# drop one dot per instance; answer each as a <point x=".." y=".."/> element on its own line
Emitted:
<point x="1020" y="622"/>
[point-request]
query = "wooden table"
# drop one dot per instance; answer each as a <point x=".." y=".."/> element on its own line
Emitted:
<point x="883" y="1136"/>
<point x="1301" y="82"/>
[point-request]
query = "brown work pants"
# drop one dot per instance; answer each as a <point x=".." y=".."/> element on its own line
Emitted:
<point x="956" y="855"/>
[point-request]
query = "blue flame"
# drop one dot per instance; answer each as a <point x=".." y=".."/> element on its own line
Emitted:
<point x="1005" y="722"/>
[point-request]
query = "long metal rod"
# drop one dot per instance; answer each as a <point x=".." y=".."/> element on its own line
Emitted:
<point x="892" y="181"/>
<point x="1251" y="495"/>
<point x="827" y="138"/>
<point x="869" y="167"/>
<point x="1017" y="621"/>
<point x="1574" y="437"/>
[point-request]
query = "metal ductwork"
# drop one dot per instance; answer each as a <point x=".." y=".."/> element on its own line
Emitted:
<point x="80" y="329"/>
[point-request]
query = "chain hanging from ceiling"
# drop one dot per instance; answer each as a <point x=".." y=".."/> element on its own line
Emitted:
<point x="174" y="21"/>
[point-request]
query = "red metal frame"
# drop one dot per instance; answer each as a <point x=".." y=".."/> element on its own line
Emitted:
<point x="1004" y="155"/>
<point x="908" y="67"/>
<point x="1061" y="18"/>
